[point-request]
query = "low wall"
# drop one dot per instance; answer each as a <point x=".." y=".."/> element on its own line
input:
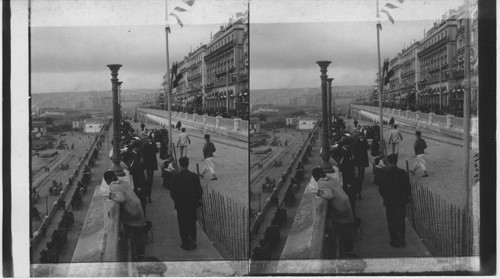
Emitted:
<point x="448" y="125"/>
<point x="99" y="239"/>
<point x="254" y="228"/>
<point x="307" y="236"/>
<point x="233" y="128"/>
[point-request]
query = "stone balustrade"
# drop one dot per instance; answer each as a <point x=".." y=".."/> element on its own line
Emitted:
<point x="430" y="121"/>
<point x="234" y="128"/>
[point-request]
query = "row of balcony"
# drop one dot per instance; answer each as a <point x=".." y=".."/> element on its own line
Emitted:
<point x="441" y="42"/>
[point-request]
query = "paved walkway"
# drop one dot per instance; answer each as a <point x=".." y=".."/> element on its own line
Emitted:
<point x="231" y="159"/>
<point x="165" y="244"/>
<point x="373" y="237"/>
<point x="374" y="233"/>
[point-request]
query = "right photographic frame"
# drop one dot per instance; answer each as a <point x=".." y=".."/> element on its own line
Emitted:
<point x="364" y="137"/>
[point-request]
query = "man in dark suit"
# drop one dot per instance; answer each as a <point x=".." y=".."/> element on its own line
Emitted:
<point x="395" y="190"/>
<point x="133" y="160"/>
<point x="186" y="193"/>
<point x="149" y="162"/>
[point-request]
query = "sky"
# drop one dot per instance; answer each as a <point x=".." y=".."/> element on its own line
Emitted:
<point x="288" y="37"/>
<point x="73" y="41"/>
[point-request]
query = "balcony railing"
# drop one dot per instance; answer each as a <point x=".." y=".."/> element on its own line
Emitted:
<point x="193" y="77"/>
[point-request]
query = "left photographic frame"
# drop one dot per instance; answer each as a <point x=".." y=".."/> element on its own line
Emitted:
<point x="138" y="138"/>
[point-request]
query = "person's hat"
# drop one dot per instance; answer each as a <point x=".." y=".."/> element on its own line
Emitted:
<point x="317" y="172"/>
<point x="392" y="158"/>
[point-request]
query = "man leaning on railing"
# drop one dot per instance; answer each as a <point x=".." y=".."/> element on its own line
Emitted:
<point x="131" y="214"/>
<point x="339" y="216"/>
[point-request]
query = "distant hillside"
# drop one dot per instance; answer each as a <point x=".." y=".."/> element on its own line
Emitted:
<point x="284" y="95"/>
<point x="68" y="99"/>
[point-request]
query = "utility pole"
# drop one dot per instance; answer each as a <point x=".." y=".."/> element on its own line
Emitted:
<point x="466" y="133"/>
<point x="380" y="82"/>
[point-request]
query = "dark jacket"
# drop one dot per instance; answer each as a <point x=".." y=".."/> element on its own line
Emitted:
<point x="346" y="162"/>
<point x="419" y="146"/>
<point x="149" y="151"/>
<point x="360" y="150"/>
<point x="136" y="170"/>
<point x="208" y="149"/>
<point x="186" y="190"/>
<point x="395" y="188"/>
<point x="375" y="148"/>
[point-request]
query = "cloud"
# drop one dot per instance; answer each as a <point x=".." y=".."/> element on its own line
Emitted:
<point x="290" y="50"/>
<point x="67" y="51"/>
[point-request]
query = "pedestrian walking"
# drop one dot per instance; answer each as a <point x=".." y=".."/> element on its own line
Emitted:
<point x="150" y="164"/>
<point x="391" y="122"/>
<point x="355" y="123"/>
<point x="395" y="190"/>
<point x="131" y="213"/>
<point x="186" y="193"/>
<point x="178" y="125"/>
<point x="208" y="154"/>
<point x="142" y="126"/>
<point x="360" y="156"/>
<point x="395" y="138"/>
<point x="419" y="148"/>
<point x="340" y="218"/>
<point x="183" y="142"/>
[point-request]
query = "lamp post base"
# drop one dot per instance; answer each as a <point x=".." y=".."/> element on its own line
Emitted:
<point x="118" y="170"/>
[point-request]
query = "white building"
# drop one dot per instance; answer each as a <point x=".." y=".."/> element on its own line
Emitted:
<point x="39" y="129"/>
<point x="93" y="126"/>
<point x="305" y="123"/>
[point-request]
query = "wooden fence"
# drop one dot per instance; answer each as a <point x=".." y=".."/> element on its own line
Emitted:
<point x="445" y="225"/>
<point x="225" y="221"/>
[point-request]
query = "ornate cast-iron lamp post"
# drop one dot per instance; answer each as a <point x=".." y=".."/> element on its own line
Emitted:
<point x="329" y="95"/>
<point x="120" y="98"/>
<point x="116" y="120"/>
<point x="325" y="154"/>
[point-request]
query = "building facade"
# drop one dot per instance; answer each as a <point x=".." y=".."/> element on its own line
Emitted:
<point x="430" y="73"/>
<point x="227" y="70"/>
<point x="215" y="75"/>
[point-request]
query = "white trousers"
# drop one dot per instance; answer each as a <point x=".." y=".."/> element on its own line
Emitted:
<point x="420" y="162"/>
<point x="209" y="165"/>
